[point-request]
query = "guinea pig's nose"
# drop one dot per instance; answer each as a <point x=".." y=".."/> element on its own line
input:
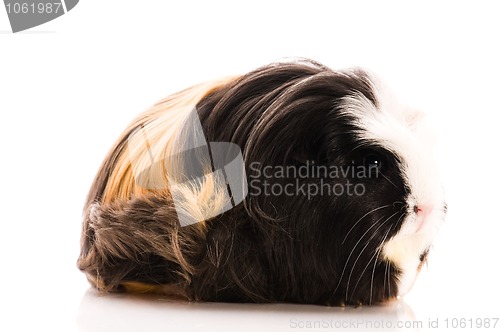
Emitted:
<point x="422" y="210"/>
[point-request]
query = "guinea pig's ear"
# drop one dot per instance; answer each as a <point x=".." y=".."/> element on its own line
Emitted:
<point x="422" y="125"/>
<point x="414" y="118"/>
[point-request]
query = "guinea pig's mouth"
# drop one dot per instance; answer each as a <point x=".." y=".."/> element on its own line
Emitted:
<point x="423" y="259"/>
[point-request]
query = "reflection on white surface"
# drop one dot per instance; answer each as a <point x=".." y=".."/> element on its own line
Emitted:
<point x="122" y="312"/>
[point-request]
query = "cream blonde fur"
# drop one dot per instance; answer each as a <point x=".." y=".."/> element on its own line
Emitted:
<point x="163" y="125"/>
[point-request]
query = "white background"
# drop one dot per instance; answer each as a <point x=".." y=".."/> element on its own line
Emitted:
<point x="69" y="87"/>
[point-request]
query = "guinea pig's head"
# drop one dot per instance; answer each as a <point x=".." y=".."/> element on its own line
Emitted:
<point x="343" y="170"/>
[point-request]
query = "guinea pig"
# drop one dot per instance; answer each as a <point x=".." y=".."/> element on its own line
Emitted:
<point x="292" y="183"/>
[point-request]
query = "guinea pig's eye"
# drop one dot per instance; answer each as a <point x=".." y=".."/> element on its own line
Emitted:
<point x="373" y="161"/>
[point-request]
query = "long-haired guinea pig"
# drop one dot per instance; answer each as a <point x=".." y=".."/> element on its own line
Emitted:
<point x="292" y="183"/>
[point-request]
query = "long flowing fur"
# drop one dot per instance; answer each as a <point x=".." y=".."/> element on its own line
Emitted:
<point x="323" y="250"/>
<point x="114" y="250"/>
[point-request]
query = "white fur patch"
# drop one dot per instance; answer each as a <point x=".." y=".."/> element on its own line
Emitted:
<point x="404" y="131"/>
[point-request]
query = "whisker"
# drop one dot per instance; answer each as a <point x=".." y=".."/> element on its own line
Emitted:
<point x="379" y="250"/>
<point x="362" y="250"/>
<point x="385" y="276"/>
<point x="359" y="220"/>
<point x="352" y="252"/>
<point x="385" y="177"/>
<point x="386" y="272"/>
<point x="362" y="273"/>
<point x="389" y="264"/>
